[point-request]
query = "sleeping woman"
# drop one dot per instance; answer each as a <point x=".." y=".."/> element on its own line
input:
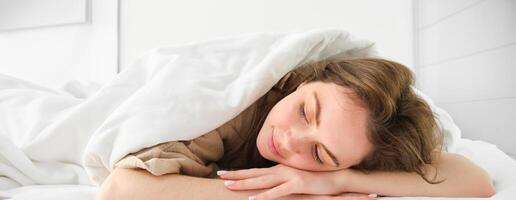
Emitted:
<point x="334" y="129"/>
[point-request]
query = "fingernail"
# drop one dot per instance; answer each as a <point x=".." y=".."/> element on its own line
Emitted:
<point x="221" y="172"/>
<point x="252" y="198"/>
<point x="226" y="183"/>
<point x="373" y="195"/>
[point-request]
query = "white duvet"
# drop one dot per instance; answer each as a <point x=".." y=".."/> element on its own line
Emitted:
<point x="68" y="140"/>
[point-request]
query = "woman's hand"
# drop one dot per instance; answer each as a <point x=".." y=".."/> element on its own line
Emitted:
<point x="282" y="181"/>
<point x="343" y="196"/>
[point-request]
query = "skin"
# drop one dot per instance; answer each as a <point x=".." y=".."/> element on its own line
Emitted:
<point x="342" y="129"/>
<point x="463" y="179"/>
<point x="298" y="176"/>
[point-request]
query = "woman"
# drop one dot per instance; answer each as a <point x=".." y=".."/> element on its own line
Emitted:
<point x="327" y="130"/>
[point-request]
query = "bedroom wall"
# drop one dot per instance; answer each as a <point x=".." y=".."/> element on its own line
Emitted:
<point x="463" y="51"/>
<point x="466" y="57"/>
<point x="153" y="23"/>
<point x="53" y="41"/>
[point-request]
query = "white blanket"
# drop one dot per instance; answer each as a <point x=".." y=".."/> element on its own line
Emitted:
<point x="50" y="136"/>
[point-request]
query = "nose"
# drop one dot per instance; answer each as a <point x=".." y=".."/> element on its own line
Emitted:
<point x="297" y="142"/>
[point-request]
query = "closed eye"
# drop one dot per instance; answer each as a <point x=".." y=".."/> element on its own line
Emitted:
<point x="315" y="154"/>
<point x="302" y="112"/>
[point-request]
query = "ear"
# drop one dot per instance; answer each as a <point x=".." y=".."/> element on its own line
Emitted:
<point x="301" y="85"/>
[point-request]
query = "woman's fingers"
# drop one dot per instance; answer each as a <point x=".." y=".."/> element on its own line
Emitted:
<point x="274" y="193"/>
<point x="261" y="182"/>
<point x="355" y="196"/>
<point x="243" y="174"/>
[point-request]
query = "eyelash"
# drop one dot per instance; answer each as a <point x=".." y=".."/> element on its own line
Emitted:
<point x="314" y="149"/>
<point x="302" y="112"/>
<point x="316" y="155"/>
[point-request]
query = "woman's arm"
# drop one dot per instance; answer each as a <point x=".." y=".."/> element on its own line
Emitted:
<point x="131" y="184"/>
<point x="463" y="178"/>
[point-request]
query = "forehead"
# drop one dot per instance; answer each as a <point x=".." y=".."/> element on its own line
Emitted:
<point x="343" y="122"/>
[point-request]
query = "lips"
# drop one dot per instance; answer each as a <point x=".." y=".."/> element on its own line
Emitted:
<point x="272" y="145"/>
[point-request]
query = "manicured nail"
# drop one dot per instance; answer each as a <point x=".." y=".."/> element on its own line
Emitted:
<point x="226" y="183"/>
<point x="221" y="172"/>
<point x="252" y="198"/>
<point x="373" y="195"/>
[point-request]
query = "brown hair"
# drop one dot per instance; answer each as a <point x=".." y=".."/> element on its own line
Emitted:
<point x="402" y="127"/>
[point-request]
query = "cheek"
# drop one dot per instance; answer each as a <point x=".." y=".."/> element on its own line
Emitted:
<point x="303" y="163"/>
<point x="282" y="115"/>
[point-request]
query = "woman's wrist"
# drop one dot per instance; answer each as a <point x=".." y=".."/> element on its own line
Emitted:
<point x="344" y="179"/>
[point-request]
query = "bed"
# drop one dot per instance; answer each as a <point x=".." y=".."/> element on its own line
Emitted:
<point x="501" y="168"/>
<point x="61" y="144"/>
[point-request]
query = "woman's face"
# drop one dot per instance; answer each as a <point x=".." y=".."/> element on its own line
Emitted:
<point x="336" y="139"/>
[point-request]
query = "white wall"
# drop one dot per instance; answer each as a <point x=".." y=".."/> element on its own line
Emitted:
<point x="152" y="23"/>
<point x="464" y="50"/>
<point x="42" y="43"/>
<point x="51" y="45"/>
<point x="467" y="64"/>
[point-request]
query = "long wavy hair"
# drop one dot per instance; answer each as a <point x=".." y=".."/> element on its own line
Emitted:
<point x="401" y="125"/>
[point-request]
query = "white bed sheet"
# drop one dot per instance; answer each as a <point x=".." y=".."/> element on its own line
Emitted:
<point x="48" y="192"/>
<point x="499" y="165"/>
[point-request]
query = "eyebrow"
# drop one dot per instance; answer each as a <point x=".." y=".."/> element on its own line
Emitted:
<point x="318" y="117"/>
